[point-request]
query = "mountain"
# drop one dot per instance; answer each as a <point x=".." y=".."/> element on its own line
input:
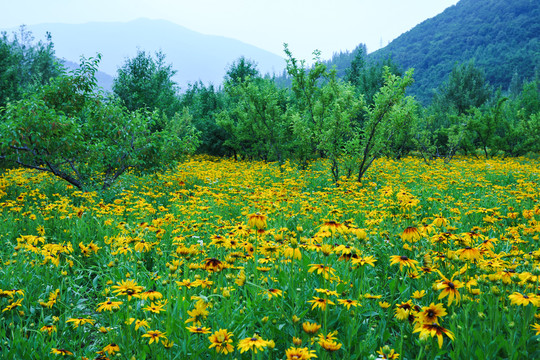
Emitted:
<point x="501" y="36"/>
<point x="195" y="56"/>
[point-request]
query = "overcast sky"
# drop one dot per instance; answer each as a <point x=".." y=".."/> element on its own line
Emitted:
<point x="306" y="25"/>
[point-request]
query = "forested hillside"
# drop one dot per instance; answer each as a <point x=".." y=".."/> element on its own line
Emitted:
<point x="502" y="37"/>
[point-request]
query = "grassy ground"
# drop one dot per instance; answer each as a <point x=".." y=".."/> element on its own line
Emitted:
<point x="222" y="259"/>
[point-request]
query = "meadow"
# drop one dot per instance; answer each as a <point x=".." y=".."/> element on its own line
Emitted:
<point x="222" y="259"/>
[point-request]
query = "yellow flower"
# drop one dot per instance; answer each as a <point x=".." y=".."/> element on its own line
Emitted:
<point x="49" y="329"/>
<point x="450" y="288"/>
<point x="257" y="221"/>
<point x="320" y="303"/>
<point x="348" y="303"/>
<point x="253" y="343"/>
<point x="156" y="308"/>
<point x="294" y="353"/>
<point x="387" y="353"/>
<point x="62" y="352"/>
<point x="310" y="328"/>
<point x="111" y="348"/>
<point x="432" y="330"/>
<point x="128" y="288"/>
<point x="402" y="261"/>
<point x="109" y="305"/>
<point x="272" y="293"/>
<point x="431" y="314"/>
<point x="76" y="322"/>
<point x="536" y="327"/>
<point x="364" y="260"/>
<point x="221" y="341"/>
<point x="198" y="329"/>
<point x="154" y="335"/>
<point x="411" y="234"/>
<point x="524" y="300"/>
<point x="384" y="304"/>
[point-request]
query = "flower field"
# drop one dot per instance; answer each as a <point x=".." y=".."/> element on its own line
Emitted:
<point x="219" y="259"/>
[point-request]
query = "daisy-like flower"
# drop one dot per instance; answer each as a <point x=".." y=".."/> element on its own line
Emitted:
<point x="198" y="330"/>
<point x="154" y="336"/>
<point x="326" y="271"/>
<point x="62" y="352"/>
<point x="406" y="311"/>
<point x="294" y="353"/>
<point x="418" y="294"/>
<point x="49" y="329"/>
<point x="384" y="304"/>
<point x="76" y="322"/>
<point x="433" y="330"/>
<point x="387" y="354"/>
<point x="198" y="313"/>
<point x="330" y="345"/>
<point x="450" y="288"/>
<point x="141" y="324"/>
<point x="253" y="343"/>
<point x="187" y="283"/>
<point x="213" y="265"/>
<point x="151" y="295"/>
<point x="411" y="234"/>
<point x="257" y="221"/>
<point x="310" y="328"/>
<point x="320" y="303"/>
<point x="524" y="300"/>
<point x="402" y="261"/>
<point x="109" y="305"/>
<point x="327" y="292"/>
<point x="431" y="314"/>
<point x="156" y="308"/>
<point x="221" y="341"/>
<point x="272" y="293"/>
<point x="373" y="297"/>
<point x="364" y="260"/>
<point x="348" y="303"/>
<point x="536" y="327"/>
<point x="111" y="349"/>
<point x="127" y="288"/>
<point x="469" y="253"/>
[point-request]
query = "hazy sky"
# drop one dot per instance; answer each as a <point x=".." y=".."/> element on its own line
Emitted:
<point x="327" y="25"/>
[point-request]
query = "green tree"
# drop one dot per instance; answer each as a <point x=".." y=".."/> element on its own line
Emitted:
<point x="25" y="64"/>
<point x="145" y="82"/>
<point x="257" y="120"/>
<point x="366" y="76"/>
<point x="305" y="93"/>
<point x="68" y="129"/>
<point x="466" y="88"/>
<point x="241" y="70"/>
<point x="385" y="117"/>
<point x="204" y="103"/>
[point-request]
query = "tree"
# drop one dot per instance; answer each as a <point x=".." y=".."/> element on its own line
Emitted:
<point x="204" y="103"/>
<point x="305" y="94"/>
<point x="368" y="77"/>
<point x="24" y="64"/>
<point x="68" y="129"/>
<point x="241" y="70"/>
<point x="146" y="83"/>
<point x="385" y="117"/>
<point x="465" y="88"/>
<point x="257" y="120"/>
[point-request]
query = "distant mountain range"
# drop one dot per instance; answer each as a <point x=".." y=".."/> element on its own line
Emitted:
<point x="195" y="56"/>
<point x="501" y="36"/>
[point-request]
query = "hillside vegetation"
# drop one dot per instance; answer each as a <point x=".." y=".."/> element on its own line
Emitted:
<point x="502" y="37"/>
